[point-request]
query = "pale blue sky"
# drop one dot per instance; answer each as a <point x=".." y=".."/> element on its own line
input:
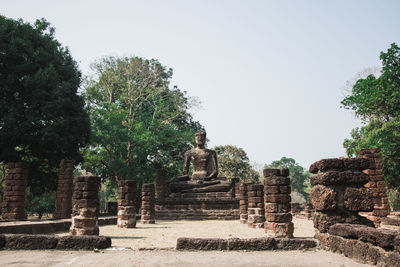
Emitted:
<point x="270" y="74"/>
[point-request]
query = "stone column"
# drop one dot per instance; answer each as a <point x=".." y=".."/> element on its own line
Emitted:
<point x="15" y="191"/>
<point x="161" y="183"/>
<point x="376" y="185"/>
<point x="126" y="204"/>
<point x="255" y="206"/>
<point x="338" y="193"/>
<point x="243" y="202"/>
<point x="85" y="206"/>
<point x="64" y="190"/>
<point x="148" y="205"/>
<point x="277" y="203"/>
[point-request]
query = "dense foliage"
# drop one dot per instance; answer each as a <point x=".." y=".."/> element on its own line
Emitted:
<point x="376" y="100"/>
<point x="42" y="118"/>
<point x="139" y="122"/>
<point x="233" y="162"/>
<point x="299" y="176"/>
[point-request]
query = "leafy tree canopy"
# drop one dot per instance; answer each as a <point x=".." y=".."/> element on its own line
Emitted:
<point x="376" y="100"/>
<point x="299" y="176"/>
<point x="233" y="162"/>
<point x="139" y="122"/>
<point x="42" y="118"/>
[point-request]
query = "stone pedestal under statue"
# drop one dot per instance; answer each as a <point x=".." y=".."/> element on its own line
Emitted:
<point x="204" y="195"/>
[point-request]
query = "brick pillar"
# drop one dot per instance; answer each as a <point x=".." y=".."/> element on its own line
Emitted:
<point x="243" y="202"/>
<point x="85" y="206"/>
<point x="338" y="193"/>
<point x="376" y="184"/>
<point x="15" y="191"/>
<point x="277" y="203"/>
<point x="64" y="190"/>
<point x="148" y="205"/>
<point x="255" y="206"/>
<point x="161" y="183"/>
<point x="126" y="204"/>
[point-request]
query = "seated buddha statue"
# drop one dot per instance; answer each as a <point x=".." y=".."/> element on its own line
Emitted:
<point x="205" y="171"/>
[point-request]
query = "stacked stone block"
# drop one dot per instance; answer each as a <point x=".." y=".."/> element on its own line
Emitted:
<point x="85" y="206"/>
<point x="338" y="193"/>
<point x="126" y="204"/>
<point x="148" y="204"/>
<point x="277" y="203"/>
<point x="15" y="191"/>
<point x="161" y="183"/>
<point x="243" y="203"/>
<point x="64" y="190"/>
<point x="255" y="206"/>
<point x="376" y="185"/>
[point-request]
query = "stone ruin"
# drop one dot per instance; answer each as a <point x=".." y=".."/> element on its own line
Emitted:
<point x="277" y="191"/>
<point x="148" y="204"/>
<point x="12" y="208"/>
<point x="341" y="189"/>
<point x="64" y="190"/>
<point x="85" y="206"/>
<point x="243" y="203"/>
<point x="376" y="185"/>
<point x="255" y="208"/>
<point x="338" y="193"/>
<point x="126" y="204"/>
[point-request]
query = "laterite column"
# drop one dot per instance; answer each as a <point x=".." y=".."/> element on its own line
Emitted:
<point x="243" y="202"/>
<point x="64" y="190"/>
<point x="85" y="206"/>
<point x="15" y="191"/>
<point x="277" y="203"/>
<point x="126" y="204"/>
<point x="161" y="183"/>
<point x="148" y="205"/>
<point x="255" y="206"/>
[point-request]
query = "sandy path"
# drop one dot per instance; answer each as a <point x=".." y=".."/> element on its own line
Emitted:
<point x="164" y="234"/>
<point x="174" y="258"/>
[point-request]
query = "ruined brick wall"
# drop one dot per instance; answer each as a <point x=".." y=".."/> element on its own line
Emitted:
<point x="15" y="191"/>
<point x="148" y="204"/>
<point x="255" y="206"/>
<point x="277" y="199"/>
<point x="64" y="190"/>
<point x="126" y="204"/>
<point x="85" y="206"/>
<point x="161" y="183"/>
<point x="376" y="185"/>
<point x="338" y="193"/>
<point x="243" y="202"/>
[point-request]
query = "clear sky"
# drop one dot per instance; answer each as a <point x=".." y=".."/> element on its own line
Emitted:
<point x="270" y="74"/>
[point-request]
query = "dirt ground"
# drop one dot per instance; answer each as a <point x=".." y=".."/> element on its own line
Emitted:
<point x="153" y="245"/>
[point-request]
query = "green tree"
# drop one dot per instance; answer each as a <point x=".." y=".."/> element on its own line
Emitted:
<point x="233" y="162"/>
<point x="139" y="122"/>
<point x="42" y="117"/>
<point x="299" y="176"/>
<point x="376" y="101"/>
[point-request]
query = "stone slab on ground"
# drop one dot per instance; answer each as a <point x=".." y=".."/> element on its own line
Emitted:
<point x="40" y="242"/>
<point x="257" y="244"/>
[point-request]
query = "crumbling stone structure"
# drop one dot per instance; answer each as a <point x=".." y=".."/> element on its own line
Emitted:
<point x="148" y="204"/>
<point x="243" y="202"/>
<point x="338" y="193"/>
<point x="15" y="191"/>
<point x="277" y="203"/>
<point x="85" y="206"/>
<point x="255" y="206"/>
<point x="126" y="204"/>
<point x="162" y="190"/>
<point x="376" y="185"/>
<point x="64" y="190"/>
